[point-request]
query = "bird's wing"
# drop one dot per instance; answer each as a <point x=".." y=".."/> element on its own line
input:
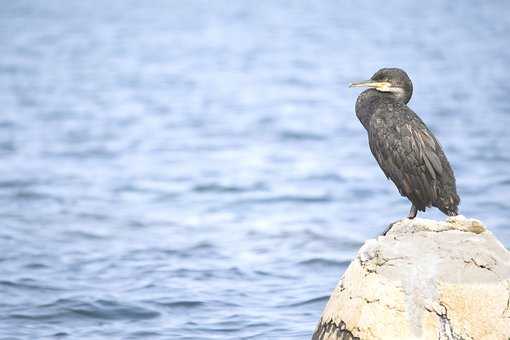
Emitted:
<point x="407" y="152"/>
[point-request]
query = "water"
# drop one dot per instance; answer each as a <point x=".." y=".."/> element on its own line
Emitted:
<point x="194" y="170"/>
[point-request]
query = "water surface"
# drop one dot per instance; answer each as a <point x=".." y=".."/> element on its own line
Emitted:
<point x="195" y="170"/>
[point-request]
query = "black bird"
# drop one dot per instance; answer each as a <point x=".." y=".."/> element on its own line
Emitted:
<point x="406" y="150"/>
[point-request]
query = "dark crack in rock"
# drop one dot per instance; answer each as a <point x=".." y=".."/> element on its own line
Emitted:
<point x="330" y="330"/>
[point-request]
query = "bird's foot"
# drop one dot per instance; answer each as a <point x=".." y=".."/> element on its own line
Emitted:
<point x="388" y="228"/>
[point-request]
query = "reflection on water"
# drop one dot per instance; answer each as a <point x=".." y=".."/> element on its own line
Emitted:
<point x="195" y="170"/>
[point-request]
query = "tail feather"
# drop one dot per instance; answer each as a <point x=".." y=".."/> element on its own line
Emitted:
<point x="450" y="206"/>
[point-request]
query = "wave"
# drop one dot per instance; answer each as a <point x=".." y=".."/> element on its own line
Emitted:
<point x="320" y="299"/>
<point x="222" y="188"/>
<point x="99" y="309"/>
<point x="323" y="262"/>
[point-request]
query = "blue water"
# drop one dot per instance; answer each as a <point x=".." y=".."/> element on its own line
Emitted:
<point x="195" y="170"/>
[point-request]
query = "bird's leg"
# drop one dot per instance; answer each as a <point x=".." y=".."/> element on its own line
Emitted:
<point x="388" y="228"/>
<point x="412" y="212"/>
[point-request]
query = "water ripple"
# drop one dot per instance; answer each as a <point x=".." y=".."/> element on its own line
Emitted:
<point x="100" y="310"/>
<point x="321" y="262"/>
<point x="195" y="170"/>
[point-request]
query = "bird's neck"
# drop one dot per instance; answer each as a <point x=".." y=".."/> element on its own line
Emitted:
<point x="369" y="100"/>
<point x="401" y="95"/>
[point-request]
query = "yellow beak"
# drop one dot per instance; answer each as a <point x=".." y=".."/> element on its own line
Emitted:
<point x="378" y="85"/>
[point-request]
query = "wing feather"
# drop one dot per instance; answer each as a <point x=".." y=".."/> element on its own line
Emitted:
<point x="407" y="153"/>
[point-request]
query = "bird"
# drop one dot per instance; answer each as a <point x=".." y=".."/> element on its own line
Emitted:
<point x="404" y="147"/>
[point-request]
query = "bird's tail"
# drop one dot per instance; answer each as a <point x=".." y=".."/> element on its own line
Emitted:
<point x="450" y="205"/>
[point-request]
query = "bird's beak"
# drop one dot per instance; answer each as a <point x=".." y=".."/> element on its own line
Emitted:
<point x="378" y="85"/>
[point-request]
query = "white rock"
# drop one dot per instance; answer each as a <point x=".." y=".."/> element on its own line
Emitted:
<point x="424" y="280"/>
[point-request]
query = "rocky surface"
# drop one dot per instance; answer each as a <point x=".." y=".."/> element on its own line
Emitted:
<point x="424" y="280"/>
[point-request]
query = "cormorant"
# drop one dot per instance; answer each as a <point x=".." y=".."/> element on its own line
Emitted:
<point x="406" y="150"/>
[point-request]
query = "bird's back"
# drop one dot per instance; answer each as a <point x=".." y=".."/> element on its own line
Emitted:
<point x="411" y="157"/>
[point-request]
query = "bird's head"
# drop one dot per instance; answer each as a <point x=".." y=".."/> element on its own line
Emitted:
<point x="390" y="80"/>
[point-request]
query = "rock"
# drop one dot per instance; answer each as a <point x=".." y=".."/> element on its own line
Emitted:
<point x="424" y="280"/>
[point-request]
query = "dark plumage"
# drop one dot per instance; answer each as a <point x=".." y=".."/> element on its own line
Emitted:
<point x="406" y="150"/>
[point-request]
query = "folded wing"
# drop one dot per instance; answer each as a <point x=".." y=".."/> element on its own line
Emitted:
<point x="408" y="154"/>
